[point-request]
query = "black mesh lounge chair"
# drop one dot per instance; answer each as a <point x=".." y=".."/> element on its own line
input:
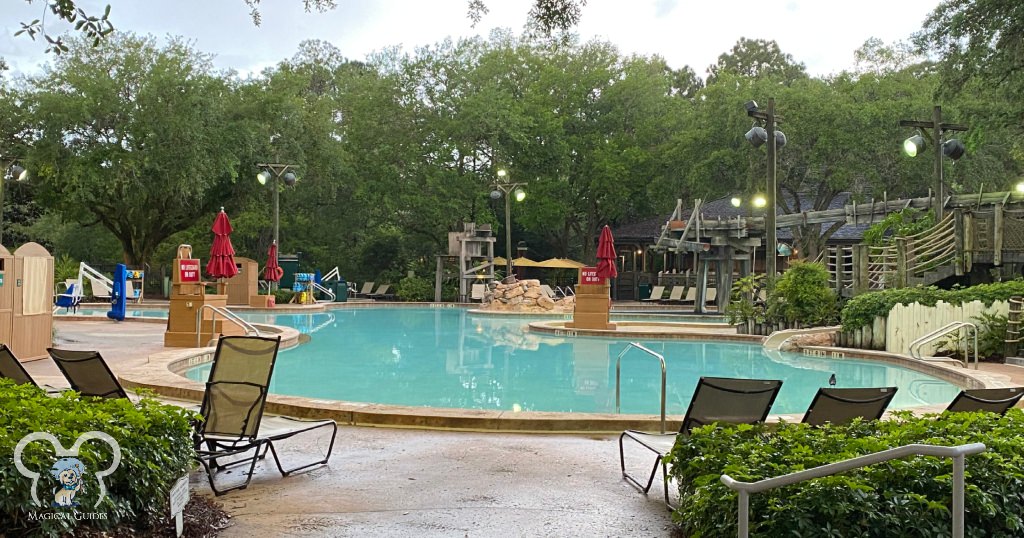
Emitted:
<point x="840" y="406"/>
<point x="716" y="399"/>
<point x="233" y="422"/>
<point x="87" y="373"/>
<point x="11" y="368"/>
<point x="992" y="400"/>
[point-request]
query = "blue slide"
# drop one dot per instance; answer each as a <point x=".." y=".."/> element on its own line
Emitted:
<point x="118" y="302"/>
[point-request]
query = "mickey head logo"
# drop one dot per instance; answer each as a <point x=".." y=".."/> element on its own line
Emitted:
<point x="67" y="453"/>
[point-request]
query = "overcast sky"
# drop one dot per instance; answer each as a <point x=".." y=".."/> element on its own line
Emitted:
<point x="823" y="34"/>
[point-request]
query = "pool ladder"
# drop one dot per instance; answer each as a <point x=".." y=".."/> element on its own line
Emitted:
<point x="228" y="315"/>
<point x="618" y="378"/>
<point x="972" y="331"/>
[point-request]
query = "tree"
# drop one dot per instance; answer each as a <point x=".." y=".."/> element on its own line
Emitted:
<point x="137" y="138"/>
<point x="757" y="58"/>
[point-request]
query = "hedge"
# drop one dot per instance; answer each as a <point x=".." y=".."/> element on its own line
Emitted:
<point x="908" y="497"/>
<point x="864" y="308"/>
<point x="156" y="450"/>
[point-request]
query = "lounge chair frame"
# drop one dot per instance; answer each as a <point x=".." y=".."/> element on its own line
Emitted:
<point x="11" y="367"/>
<point x="998" y="400"/>
<point x="760" y="391"/>
<point x="212" y="445"/>
<point x="77" y="365"/>
<point x="841" y="405"/>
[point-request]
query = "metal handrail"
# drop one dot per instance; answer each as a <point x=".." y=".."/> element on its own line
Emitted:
<point x="228" y="315"/>
<point x="618" y="378"/>
<point x="323" y="289"/>
<point x="958" y="453"/>
<point x="915" y="346"/>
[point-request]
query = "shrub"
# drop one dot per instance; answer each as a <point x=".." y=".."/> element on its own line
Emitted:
<point x="862" y="309"/>
<point x="283" y="296"/>
<point x="802" y="295"/>
<point x="906" y="497"/>
<point x="903" y="223"/>
<point x="744" y="302"/>
<point x="991" y="337"/>
<point x="156" y="450"/>
<point x="414" y="288"/>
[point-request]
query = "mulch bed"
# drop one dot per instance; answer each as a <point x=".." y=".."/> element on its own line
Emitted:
<point x="203" y="518"/>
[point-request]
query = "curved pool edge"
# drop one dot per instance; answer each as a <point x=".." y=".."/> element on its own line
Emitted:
<point x="163" y="375"/>
<point x="667" y="330"/>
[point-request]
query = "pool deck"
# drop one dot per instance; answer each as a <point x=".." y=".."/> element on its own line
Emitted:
<point x="402" y="482"/>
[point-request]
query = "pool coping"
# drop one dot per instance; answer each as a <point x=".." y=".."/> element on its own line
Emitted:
<point x="163" y="375"/>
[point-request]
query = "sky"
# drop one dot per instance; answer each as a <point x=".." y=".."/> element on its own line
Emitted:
<point x="823" y="34"/>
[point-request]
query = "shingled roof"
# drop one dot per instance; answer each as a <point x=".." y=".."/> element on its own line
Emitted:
<point x="648" y="230"/>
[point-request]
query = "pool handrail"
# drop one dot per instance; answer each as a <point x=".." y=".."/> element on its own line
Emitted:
<point x="618" y="378"/>
<point x="249" y="328"/>
<point x="915" y="346"/>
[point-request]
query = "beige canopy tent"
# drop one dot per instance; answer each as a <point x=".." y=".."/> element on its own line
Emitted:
<point x="517" y="262"/>
<point x="560" y="263"/>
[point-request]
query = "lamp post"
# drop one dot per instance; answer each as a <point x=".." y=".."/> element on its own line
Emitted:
<point x="504" y="187"/>
<point x="17" y="173"/>
<point x="282" y="173"/>
<point x="758" y="135"/>
<point x="952" y="148"/>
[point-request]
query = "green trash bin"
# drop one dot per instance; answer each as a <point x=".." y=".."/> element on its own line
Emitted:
<point x="644" y="292"/>
<point x="340" y="289"/>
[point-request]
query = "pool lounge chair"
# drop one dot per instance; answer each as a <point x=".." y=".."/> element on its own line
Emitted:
<point x="100" y="289"/>
<point x="550" y="293"/>
<point x="366" y="290"/>
<point x="233" y="421"/>
<point x="87" y="373"/>
<point x="657" y="292"/>
<point x="674" y="296"/>
<point x="992" y="400"/>
<point x="716" y="399"/>
<point x="382" y="293"/>
<point x="841" y="405"/>
<point x="477" y="292"/>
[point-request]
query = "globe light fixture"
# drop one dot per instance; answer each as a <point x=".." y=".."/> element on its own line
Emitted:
<point x="735" y="201"/>
<point x="760" y="201"/>
<point x="913" y="145"/>
<point x="263" y="177"/>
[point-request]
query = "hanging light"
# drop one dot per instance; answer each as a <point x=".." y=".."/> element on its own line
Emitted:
<point x="760" y="201"/>
<point x="520" y="195"/>
<point x="263" y="177"/>
<point x="19" y="173"/>
<point x="757" y="136"/>
<point x="735" y="201"/>
<point x="289" y="179"/>
<point x="751" y="107"/>
<point x="913" y="145"/>
<point x="953" y="148"/>
<point x="780" y="140"/>
<point x="495" y="194"/>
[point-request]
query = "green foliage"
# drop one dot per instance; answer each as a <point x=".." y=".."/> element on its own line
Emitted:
<point x="156" y="450"/>
<point x="901" y="223"/>
<point x="64" y="268"/>
<point x="862" y="309"/>
<point x="907" y="497"/>
<point x="283" y="296"/>
<point x="803" y="295"/>
<point x="991" y="337"/>
<point x="744" y="303"/>
<point x="416" y="289"/>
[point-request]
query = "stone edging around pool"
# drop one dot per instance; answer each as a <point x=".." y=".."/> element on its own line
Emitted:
<point x="648" y="329"/>
<point x="163" y="372"/>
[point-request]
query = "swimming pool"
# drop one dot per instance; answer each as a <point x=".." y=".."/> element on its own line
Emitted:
<point x="449" y="357"/>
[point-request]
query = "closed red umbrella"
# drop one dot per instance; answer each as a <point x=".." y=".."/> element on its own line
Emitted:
<point x="606" y="256"/>
<point x="222" y="254"/>
<point x="272" y="272"/>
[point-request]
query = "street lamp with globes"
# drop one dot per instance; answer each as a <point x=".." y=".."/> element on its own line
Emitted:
<point x="504" y="187"/>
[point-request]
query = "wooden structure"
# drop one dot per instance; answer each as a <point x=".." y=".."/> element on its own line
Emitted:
<point x="135" y="284"/>
<point x="593" y="300"/>
<point x="245" y="284"/>
<point x="188" y="298"/>
<point x="472" y="250"/>
<point x="26" y="301"/>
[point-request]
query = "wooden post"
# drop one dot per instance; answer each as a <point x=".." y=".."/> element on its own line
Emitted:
<point x="861" y="275"/>
<point x="901" y="262"/>
<point x="1012" y="343"/>
<point x="997" y="235"/>
<point x="439" y="279"/>
<point x="958" y="241"/>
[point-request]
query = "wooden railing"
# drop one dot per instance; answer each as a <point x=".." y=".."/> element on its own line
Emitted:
<point x="905" y="259"/>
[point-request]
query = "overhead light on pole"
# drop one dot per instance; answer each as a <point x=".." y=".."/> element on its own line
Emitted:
<point x="757" y="136"/>
<point x="952" y="148"/>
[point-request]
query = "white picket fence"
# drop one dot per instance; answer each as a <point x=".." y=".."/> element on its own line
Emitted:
<point x="909" y="322"/>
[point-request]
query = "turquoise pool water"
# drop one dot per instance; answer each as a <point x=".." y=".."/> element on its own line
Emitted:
<point x="129" y="312"/>
<point x="448" y="357"/>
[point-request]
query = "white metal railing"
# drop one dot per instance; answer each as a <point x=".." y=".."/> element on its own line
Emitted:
<point x="972" y="329"/>
<point x="618" y="378"/>
<point x="327" y="291"/>
<point x="332" y="274"/>
<point x="228" y="315"/>
<point x="957" y="453"/>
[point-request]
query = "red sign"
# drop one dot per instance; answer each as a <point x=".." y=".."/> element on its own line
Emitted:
<point x="189" y="270"/>
<point x="588" y="275"/>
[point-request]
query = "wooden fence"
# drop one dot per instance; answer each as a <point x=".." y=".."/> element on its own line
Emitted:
<point x="906" y="323"/>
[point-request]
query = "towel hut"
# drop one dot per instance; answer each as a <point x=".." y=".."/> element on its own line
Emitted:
<point x="245" y="284"/>
<point x="31" y="288"/>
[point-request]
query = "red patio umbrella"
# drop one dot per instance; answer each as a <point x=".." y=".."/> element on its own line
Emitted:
<point x="606" y="254"/>
<point x="272" y="272"/>
<point x="222" y="254"/>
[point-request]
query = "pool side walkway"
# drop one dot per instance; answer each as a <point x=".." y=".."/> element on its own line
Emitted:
<point x="398" y="482"/>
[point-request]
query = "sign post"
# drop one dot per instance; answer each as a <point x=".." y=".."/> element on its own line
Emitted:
<point x="179" y="498"/>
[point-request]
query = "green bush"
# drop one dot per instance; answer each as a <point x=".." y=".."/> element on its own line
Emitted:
<point x="991" y="337"/>
<point x="283" y="296"/>
<point x="156" y="450"/>
<point x="803" y="295"/>
<point x="903" y="223"/>
<point x="862" y="309"/>
<point x="909" y="497"/>
<point x="744" y="303"/>
<point x="417" y="289"/>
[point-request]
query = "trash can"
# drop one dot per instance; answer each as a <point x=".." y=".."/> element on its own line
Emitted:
<point x="290" y="265"/>
<point x="644" y="292"/>
<point x="340" y="290"/>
